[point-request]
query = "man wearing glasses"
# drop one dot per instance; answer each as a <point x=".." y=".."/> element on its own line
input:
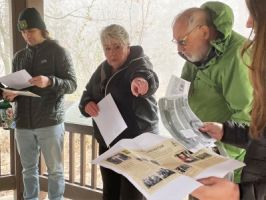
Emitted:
<point x="220" y="87"/>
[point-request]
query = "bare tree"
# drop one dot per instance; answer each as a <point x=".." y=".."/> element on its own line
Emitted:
<point x="5" y="35"/>
<point x="78" y="25"/>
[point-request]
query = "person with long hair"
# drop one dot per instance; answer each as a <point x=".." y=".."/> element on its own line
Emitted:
<point x="40" y="121"/>
<point x="253" y="137"/>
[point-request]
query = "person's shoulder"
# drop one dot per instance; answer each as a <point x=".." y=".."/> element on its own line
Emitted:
<point x="20" y="53"/>
<point x="55" y="46"/>
<point x="237" y="40"/>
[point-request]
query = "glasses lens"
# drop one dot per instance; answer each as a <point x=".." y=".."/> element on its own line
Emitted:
<point x="182" y="42"/>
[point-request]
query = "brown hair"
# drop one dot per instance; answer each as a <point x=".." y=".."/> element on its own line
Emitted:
<point x="45" y="34"/>
<point x="258" y="66"/>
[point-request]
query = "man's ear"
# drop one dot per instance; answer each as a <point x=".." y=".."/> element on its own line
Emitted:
<point x="206" y="31"/>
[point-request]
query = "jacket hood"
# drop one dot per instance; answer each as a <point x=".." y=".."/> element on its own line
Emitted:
<point x="223" y="18"/>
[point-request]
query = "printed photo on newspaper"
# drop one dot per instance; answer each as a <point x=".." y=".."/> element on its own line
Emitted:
<point x="167" y="168"/>
<point x="179" y="119"/>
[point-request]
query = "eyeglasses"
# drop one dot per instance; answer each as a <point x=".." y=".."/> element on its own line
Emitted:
<point x="183" y="41"/>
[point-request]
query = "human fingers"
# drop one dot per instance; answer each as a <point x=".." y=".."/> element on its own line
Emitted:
<point x="215" y="130"/>
<point x="92" y="109"/>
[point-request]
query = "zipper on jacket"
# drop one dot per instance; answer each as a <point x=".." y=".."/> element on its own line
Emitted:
<point x="105" y="90"/>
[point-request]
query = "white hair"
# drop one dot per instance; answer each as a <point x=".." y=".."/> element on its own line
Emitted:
<point x="114" y="32"/>
<point x="193" y="17"/>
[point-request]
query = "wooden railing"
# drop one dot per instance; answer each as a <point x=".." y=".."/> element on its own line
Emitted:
<point x="81" y="181"/>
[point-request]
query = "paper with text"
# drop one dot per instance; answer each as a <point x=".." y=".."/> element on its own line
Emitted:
<point x="109" y="120"/>
<point x="161" y="168"/>
<point x="179" y="119"/>
<point x="17" y="80"/>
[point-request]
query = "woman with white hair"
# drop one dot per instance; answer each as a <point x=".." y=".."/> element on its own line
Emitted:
<point x="127" y="74"/>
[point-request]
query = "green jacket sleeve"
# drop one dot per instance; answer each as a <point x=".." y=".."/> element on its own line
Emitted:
<point x="237" y="90"/>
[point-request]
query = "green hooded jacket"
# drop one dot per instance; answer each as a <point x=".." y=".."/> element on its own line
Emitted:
<point x="221" y="90"/>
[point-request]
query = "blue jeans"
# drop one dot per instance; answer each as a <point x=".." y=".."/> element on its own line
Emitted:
<point x="50" y="141"/>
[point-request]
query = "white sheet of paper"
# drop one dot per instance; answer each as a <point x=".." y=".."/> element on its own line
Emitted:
<point x="109" y="120"/>
<point x="17" y="80"/>
<point x="221" y="169"/>
<point x="22" y="93"/>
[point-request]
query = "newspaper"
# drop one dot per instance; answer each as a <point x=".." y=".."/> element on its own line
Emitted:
<point x="161" y="168"/>
<point x="179" y="119"/>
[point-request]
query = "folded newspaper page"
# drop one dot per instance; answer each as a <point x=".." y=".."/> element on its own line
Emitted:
<point x="179" y="119"/>
<point x="161" y="168"/>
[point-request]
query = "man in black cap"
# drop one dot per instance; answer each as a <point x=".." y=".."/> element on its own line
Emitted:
<point x="39" y="121"/>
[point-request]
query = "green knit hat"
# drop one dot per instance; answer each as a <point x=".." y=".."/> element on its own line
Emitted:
<point x="30" y="18"/>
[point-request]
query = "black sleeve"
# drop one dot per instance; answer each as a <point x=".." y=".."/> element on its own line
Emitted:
<point x="87" y="94"/>
<point x="1" y="91"/>
<point x="64" y="81"/>
<point x="145" y="71"/>
<point x="236" y="134"/>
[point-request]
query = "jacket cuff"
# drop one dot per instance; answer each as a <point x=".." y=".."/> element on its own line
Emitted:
<point x="51" y="80"/>
<point x="228" y="127"/>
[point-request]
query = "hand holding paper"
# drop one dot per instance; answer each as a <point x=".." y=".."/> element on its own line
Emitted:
<point x="109" y="120"/>
<point x="8" y="95"/>
<point x="40" y="81"/>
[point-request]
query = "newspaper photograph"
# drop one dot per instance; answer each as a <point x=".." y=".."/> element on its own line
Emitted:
<point x="166" y="166"/>
<point x="179" y="119"/>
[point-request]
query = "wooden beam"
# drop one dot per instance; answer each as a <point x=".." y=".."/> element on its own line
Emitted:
<point x="7" y="182"/>
<point x="78" y="128"/>
<point x="94" y="153"/>
<point x="38" y="4"/>
<point x="72" y="159"/>
<point x="73" y="191"/>
<point x="83" y="160"/>
<point x="16" y="7"/>
<point x="12" y="152"/>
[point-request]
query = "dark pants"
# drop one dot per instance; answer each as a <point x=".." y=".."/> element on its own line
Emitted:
<point x="116" y="186"/>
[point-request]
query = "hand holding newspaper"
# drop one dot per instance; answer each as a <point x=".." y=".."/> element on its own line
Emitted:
<point x="168" y="170"/>
<point x="179" y="119"/>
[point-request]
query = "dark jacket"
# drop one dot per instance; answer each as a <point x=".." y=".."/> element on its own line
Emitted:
<point x="47" y="59"/>
<point x="253" y="178"/>
<point x="139" y="113"/>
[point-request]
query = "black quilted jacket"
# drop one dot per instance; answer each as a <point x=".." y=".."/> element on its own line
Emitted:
<point x="48" y="59"/>
<point x="253" y="180"/>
